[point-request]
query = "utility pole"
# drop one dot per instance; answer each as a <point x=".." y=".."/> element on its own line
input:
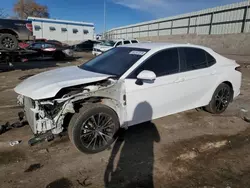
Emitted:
<point x="22" y="8"/>
<point x="104" y="12"/>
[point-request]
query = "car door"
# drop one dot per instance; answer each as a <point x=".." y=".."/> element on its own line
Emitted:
<point x="162" y="94"/>
<point x="49" y="49"/>
<point x="37" y="46"/>
<point x="197" y="76"/>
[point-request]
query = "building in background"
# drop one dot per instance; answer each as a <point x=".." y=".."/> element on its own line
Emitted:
<point x="227" y="19"/>
<point x="70" y="32"/>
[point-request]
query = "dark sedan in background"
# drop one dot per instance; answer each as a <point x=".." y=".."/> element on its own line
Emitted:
<point x="51" y="50"/>
<point x="85" y="46"/>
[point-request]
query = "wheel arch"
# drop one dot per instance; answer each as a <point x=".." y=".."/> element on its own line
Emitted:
<point x="113" y="104"/>
<point x="8" y="31"/>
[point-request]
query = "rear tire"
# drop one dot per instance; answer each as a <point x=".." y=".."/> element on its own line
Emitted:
<point x="8" y="42"/>
<point x="220" y="99"/>
<point x="93" y="128"/>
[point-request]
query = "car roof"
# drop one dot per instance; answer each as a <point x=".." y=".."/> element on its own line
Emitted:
<point x="160" y="45"/>
<point x="117" y="40"/>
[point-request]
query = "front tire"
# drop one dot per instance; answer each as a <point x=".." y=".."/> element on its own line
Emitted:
<point x="220" y="100"/>
<point x="93" y="129"/>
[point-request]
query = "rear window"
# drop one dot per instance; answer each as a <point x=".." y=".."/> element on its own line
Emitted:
<point x="210" y="60"/>
<point x="195" y="58"/>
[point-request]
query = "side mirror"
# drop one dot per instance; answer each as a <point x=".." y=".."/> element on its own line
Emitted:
<point x="146" y="75"/>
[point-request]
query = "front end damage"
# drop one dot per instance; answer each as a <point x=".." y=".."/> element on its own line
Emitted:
<point x="48" y="115"/>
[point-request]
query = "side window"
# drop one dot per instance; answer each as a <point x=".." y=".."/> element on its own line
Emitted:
<point x="85" y="31"/>
<point x="46" y="45"/>
<point x="75" y="31"/>
<point x="210" y="60"/>
<point x="37" y="45"/>
<point x="51" y="28"/>
<point x="134" y="41"/>
<point x="162" y="63"/>
<point x="37" y="27"/>
<point x="195" y="58"/>
<point x="119" y="43"/>
<point x="64" y="29"/>
<point x="126" y="42"/>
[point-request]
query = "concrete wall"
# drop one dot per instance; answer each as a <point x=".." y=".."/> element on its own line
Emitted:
<point x="238" y="44"/>
<point x="228" y="19"/>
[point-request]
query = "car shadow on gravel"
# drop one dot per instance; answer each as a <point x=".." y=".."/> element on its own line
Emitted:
<point x="136" y="160"/>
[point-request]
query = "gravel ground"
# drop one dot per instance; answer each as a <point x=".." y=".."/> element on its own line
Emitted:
<point x="189" y="149"/>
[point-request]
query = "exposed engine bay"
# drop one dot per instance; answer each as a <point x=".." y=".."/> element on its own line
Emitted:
<point x="50" y="114"/>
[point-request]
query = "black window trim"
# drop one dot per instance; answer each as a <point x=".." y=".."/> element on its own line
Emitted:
<point x="179" y="58"/>
<point x="183" y="67"/>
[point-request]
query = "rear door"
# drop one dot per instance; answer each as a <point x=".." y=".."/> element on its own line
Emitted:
<point x="197" y="75"/>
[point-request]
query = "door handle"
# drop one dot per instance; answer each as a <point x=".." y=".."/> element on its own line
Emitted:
<point x="180" y="80"/>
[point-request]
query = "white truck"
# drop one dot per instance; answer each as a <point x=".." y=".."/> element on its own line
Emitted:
<point x="109" y="44"/>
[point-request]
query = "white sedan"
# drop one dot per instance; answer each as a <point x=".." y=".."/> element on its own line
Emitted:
<point x="125" y="86"/>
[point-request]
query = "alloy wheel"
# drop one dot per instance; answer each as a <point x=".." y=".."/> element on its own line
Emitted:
<point x="222" y="99"/>
<point x="97" y="131"/>
<point x="8" y="42"/>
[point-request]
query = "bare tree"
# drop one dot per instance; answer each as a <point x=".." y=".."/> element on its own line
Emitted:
<point x="26" y="8"/>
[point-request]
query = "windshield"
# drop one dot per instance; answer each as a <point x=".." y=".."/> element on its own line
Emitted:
<point x="108" y="43"/>
<point x="115" y="61"/>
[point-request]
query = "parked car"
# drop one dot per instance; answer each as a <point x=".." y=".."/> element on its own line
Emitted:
<point x="85" y="46"/>
<point x="27" y="43"/>
<point x="14" y="31"/>
<point x="125" y="86"/>
<point x="109" y="44"/>
<point x="47" y="49"/>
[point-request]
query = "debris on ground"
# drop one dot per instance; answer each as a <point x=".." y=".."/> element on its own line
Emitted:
<point x="33" y="167"/>
<point x="84" y="183"/>
<point x="7" y="126"/>
<point x="244" y="116"/>
<point x="62" y="183"/>
<point x="13" y="143"/>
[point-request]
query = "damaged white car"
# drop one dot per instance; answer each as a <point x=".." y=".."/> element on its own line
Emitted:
<point x="125" y="86"/>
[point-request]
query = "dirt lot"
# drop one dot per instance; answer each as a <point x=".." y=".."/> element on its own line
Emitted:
<point x="190" y="149"/>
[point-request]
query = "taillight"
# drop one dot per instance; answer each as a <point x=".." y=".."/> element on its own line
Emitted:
<point x="29" y="26"/>
<point x="238" y="68"/>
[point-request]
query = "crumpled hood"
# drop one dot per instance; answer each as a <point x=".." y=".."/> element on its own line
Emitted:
<point x="49" y="83"/>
